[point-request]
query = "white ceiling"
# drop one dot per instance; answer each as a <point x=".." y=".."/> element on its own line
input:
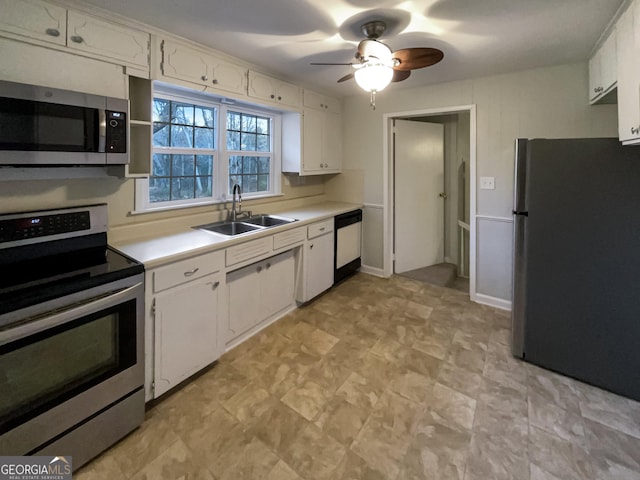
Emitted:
<point x="478" y="37"/>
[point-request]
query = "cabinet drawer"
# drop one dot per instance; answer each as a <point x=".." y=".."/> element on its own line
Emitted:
<point x="319" y="228"/>
<point x="187" y="270"/>
<point x="248" y="250"/>
<point x="289" y="237"/>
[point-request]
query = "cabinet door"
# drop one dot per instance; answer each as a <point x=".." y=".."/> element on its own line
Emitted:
<point x="318" y="266"/>
<point x="608" y="63"/>
<point x="332" y="142"/>
<point x="312" y="140"/>
<point x="277" y="283"/>
<point x="628" y="78"/>
<point x="228" y="76"/>
<point x="595" y="75"/>
<point x="244" y="302"/>
<point x="185" y="63"/>
<point x="186" y="328"/>
<point x="93" y="35"/>
<point x="261" y="86"/>
<point x="288" y="94"/>
<point x="34" y="19"/>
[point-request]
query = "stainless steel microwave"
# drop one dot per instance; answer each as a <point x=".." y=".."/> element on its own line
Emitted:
<point x="49" y="126"/>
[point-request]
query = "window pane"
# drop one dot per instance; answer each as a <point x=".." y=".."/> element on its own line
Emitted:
<point x="263" y="143"/>
<point x="204" y="138"/>
<point x="205" y="117"/>
<point x="161" y="134"/>
<point x="263" y="165"/>
<point x="181" y="136"/>
<point x="161" y="165"/>
<point x="158" y="189"/>
<point x="262" y="125"/>
<point x="250" y="183"/>
<point x="249" y="165"/>
<point x="182" y="188"/>
<point x="233" y="121"/>
<point x="263" y="183"/>
<point x="204" y="164"/>
<point x="161" y="110"/>
<point x="203" y="186"/>
<point x="248" y="123"/>
<point x="233" y="140"/>
<point x="182" y="113"/>
<point x="249" y="142"/>
<point x="235" y="164"/>
<point x="182" y="165"/>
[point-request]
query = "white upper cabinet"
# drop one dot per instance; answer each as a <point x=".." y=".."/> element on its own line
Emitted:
<point x="186" y="63"/>
<point x="321" y="102"/>
<point x="93" y="35"/>
<point x="628" y="51"/>
<point x="602" y="70"/>
<point x="34" y="19"/>
<point x="273" y="90"/>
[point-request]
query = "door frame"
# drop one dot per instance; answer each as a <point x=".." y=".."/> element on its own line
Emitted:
<point x="389" y="182"/>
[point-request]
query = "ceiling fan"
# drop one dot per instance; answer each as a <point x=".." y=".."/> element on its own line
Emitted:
<point x="377" y="65"/>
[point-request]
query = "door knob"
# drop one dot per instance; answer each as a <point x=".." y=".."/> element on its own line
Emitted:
<point x="443" y="195"/>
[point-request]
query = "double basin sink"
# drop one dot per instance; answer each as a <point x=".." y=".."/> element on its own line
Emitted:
<point x="251" y="224"/>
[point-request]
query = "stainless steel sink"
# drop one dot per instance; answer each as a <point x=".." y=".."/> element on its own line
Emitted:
<point x="268" y="220"/>
<point x="229" y="228"/>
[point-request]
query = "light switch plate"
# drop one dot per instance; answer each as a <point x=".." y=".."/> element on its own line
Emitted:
<point x="487" y="183"/>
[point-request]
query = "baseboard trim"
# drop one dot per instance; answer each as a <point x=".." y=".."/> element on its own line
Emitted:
<point x="378" y="272"/>
<point x="493" y="301"/>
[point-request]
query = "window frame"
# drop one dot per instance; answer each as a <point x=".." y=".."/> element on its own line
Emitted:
<point x="220" y="167"/>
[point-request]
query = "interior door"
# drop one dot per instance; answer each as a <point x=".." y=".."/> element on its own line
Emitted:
<point x="419" y="181"/>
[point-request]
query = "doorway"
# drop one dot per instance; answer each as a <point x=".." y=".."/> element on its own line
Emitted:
<point x="429" y="200"/>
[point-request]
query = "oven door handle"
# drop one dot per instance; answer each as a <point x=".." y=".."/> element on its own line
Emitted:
<point x="11" y="334"/>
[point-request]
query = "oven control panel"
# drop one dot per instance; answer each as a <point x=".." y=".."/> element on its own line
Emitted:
<point x="43" y="225"/>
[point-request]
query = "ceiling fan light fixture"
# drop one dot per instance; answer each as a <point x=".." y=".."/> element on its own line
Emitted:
<point x="373" y="77"/>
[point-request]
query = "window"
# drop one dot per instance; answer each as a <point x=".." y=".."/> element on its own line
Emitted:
<point x="202" y="148"/>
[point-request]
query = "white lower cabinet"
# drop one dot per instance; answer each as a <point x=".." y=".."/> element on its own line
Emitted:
<point x="318" y="260"/>
<point x="186" y="331"/>
<point x="259" y="291"/>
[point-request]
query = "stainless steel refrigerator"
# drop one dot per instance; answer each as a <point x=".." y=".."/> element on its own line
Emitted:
<point x="576" y="275"/>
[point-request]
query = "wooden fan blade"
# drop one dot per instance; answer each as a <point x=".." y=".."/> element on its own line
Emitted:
<point x="399" y="75"/>
<point x="413" y="58"/>
<point x="316" y="63"/>
<point x="345" y="78"/>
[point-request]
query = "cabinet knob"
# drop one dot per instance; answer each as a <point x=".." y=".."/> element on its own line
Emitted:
<point x="311" y="247"/>
<point x="259" y="269"/>
<point x="635" y="130"/>
<point x="214" y="81"/>
<point x="322" y="229"/>
<point x="204" y="78"/>
<point x="268" y="265"/>
<point x="76" y="39"/>
<point x="272" y="96"/>
<point x="279" y="98"/>
<point x="191" y="272"/>
<point x="52" y="32"/>
<point x="214" y="285"/>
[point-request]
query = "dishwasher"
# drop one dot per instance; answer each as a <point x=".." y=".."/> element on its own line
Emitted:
<point x="348" y="237"/>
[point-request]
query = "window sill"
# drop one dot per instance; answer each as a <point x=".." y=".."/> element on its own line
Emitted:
<point x="201" y="204"/>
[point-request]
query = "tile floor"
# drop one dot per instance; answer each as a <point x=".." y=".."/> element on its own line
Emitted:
<point x="381" y="379"/>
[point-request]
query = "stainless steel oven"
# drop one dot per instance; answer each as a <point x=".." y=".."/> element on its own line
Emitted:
<point x="49" y="126"/>
<point x="71" y="336"/>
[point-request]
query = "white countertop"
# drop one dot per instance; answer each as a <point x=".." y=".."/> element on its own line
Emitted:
<point x="168" y="248"/>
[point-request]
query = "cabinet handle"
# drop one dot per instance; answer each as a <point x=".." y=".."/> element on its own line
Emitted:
<point x="214" y="285"/>
<point x="311" y="247"/>
<point x="635" y="130"/>
<point x="268" y="266"/>
<point x="76" y="39"/>
<point x="322" y="229"/>
<point x="204" y="78"/>
<point x="322" y="105"/>
<point x="214" y="81"/>
<point x="259" y="269"/>
<point x="191" y="272"/>
<point x="52" y="32"/>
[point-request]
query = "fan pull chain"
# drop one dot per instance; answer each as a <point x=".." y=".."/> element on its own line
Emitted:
<point x="373" y="99"/>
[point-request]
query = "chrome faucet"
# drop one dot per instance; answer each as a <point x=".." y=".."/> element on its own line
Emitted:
<point x="233" y="213"/>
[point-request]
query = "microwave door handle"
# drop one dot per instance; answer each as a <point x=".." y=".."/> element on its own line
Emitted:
<point x="102" y="129"/>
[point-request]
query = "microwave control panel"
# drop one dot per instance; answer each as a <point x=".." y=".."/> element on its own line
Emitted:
<point x="116" y="132"/>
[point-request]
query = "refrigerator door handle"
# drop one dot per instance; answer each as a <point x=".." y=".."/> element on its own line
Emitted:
<point x="518" y="318"/>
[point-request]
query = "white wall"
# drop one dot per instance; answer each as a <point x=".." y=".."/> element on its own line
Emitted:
<point x="546" y="102"/>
